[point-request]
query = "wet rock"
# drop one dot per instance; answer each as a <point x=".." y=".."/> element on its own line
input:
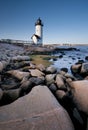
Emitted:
<point x="80" y="62"/>
<point x="64" y="69"/>
<point x="18" y="74"/>
<point x="53" y="88"/>
<point x="76" y="68"/>
<point x="60" y="94"/>
<point x="24" y="80"/>
<point x="18" y="65"/>
<point x="79" y="91"/>
<point x="36" y="73"/>
<point x="25" y="63"/>
<point x="26" y="86"/>
<point x="37" y="80"/>
<point x="32" y="66"/>
<point x="3" y="65"/>
<point x="60" y="82"/>
<point x="42" y="50"/>
<point x="78" y="117"/>
<point x="73" y="58"/>
<point x="86" y="78"/>
<point x="1" y="93"/>
<point x="0" y="78"/>
<point x="79" y="58"/>
<point x="60" y="56"/>
<point x="10" y="96"/>
<point x="62" y="52"/>
<point x="41" y="67"/>
<point x="61" y="72"/>
<point x="84" y="69"/>
<point x="20" y="58"/>
<point x="9" y="82"/>
<point x="9" y="86"/>
<point x="54" y="59"/>
<point x="87" y="124"/>
<point x="49" y="78"/>
<point x="68" y="75"/>
<point x="86" y="58"/>
<point x="25" y="68"/>
<point x="51" y="70"/>
<point x="68" y="80"/>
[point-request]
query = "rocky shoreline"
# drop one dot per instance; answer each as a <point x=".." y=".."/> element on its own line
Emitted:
<point x="18" y="76"/>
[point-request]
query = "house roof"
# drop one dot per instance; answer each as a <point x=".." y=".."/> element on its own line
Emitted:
<point x="36" y="36"/>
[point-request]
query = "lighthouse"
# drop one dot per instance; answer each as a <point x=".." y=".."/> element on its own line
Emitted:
<point x="38" y="36"/>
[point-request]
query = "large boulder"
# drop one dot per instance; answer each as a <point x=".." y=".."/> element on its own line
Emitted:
<point x="39" y="110"/>
<point x="41" y="67"/>
<point x="60" y="82"/>
<point x="49" y="78"/>
<point x="84" y="69"/>
<point x="36" y="73"/>
<point x="26" y="86"/>
<point x="18" y="74"/>
<point x="79" y="91"/>
<point x="51" y="70"/>
<point x="53" y="88"/>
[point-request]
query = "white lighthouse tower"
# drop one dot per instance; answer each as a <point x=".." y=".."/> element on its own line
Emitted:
<point x="38" y="36"/>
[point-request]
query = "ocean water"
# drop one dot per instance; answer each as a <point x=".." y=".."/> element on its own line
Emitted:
<point x="71" y="57"/>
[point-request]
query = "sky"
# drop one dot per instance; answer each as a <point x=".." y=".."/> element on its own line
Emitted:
<point x="65" y="21"/>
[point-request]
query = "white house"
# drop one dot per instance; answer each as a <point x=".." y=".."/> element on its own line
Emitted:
<point x="37" y="38"/>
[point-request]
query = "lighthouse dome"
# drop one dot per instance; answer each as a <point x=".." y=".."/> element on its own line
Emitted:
<point x="39" y="22"/>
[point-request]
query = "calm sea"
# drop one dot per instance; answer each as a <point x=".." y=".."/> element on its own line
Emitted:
<point x="71" y="57"/>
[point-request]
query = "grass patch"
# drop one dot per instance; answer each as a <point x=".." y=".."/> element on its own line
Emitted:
<point x="42" y="59"/>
